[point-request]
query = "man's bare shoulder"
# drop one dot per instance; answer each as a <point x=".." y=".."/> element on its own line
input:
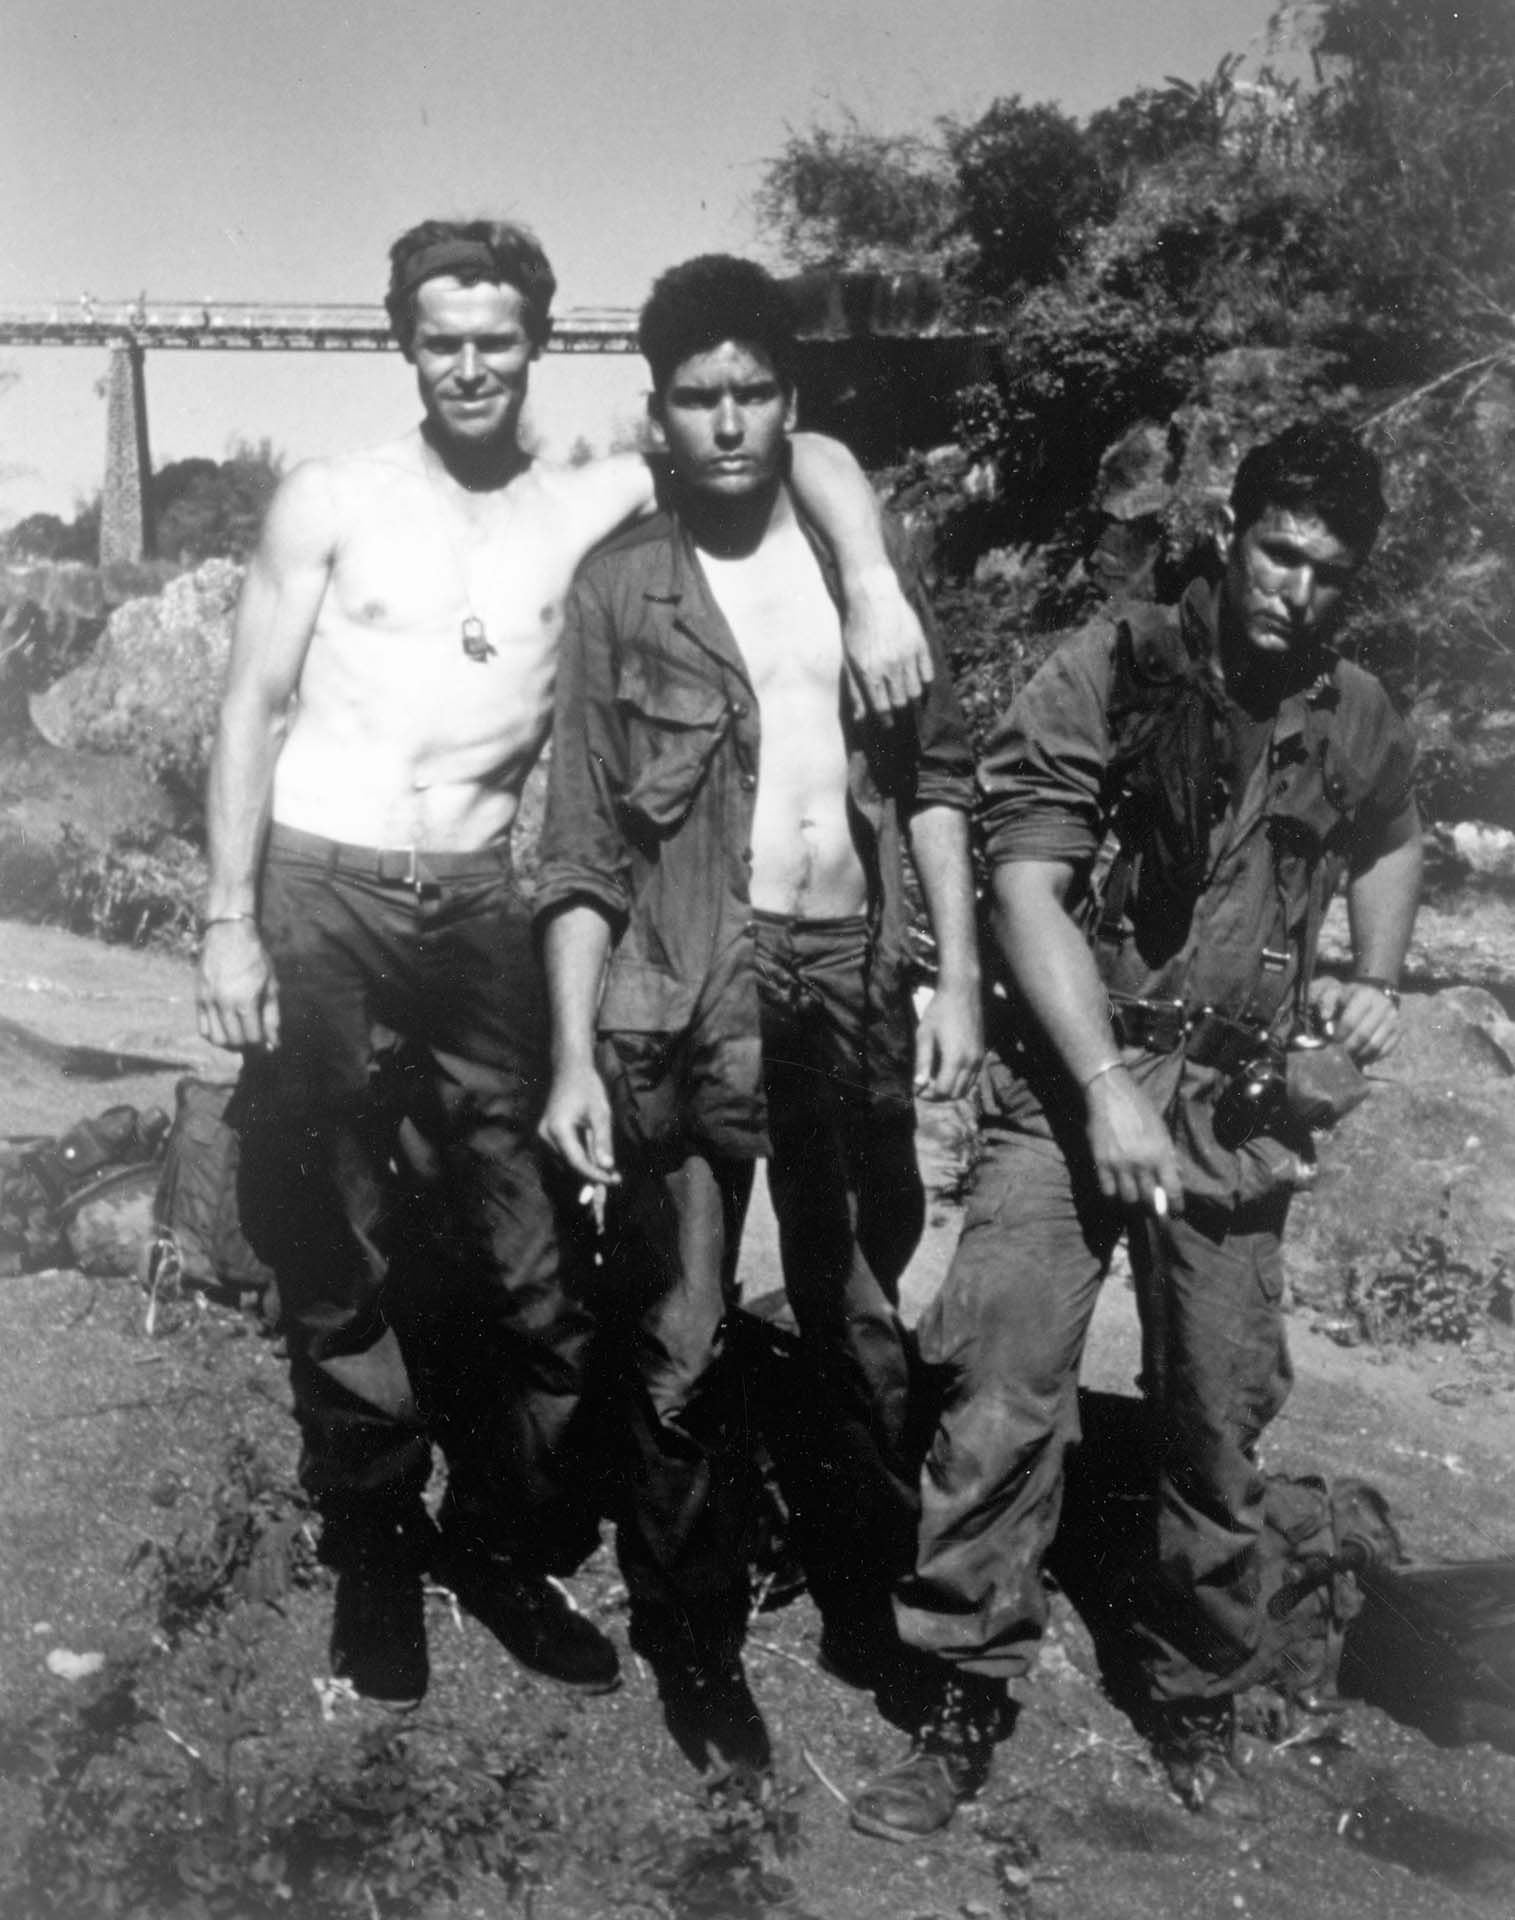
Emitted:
<point x="386" y="464"/>
<point x="329" y="489"/>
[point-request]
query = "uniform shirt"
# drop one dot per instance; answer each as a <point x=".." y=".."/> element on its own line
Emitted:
<point x="652" y="789"/>
<point x="1323" y="785"/>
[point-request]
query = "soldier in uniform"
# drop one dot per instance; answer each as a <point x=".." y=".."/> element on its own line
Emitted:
<point x="1166" y="810"/>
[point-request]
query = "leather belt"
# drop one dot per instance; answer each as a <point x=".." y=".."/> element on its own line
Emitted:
<point x="1208" y="1038"/>
<point x="392" y="866"/>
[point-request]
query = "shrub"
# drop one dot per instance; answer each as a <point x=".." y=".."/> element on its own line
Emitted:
<point x="1429" y="1292"/>
<point x="137" y="891"/>
<point x="152" y="687"/>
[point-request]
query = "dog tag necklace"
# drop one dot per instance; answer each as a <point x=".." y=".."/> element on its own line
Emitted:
<point x="476" y="640"/>
<point x="472" y="632"/>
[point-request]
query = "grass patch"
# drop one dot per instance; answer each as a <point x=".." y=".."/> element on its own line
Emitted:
<point x="1428" y="1291"/>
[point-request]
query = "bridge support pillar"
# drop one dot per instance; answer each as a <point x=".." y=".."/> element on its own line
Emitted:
<point x="125" y="510"/>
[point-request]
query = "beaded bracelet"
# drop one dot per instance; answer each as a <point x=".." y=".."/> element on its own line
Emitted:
<point x="1100" y="1072"/>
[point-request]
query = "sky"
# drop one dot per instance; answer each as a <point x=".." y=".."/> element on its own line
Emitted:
<point x="270" y="151"/>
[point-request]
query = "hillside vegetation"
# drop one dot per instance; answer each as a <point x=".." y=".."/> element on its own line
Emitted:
<point x="1182" y="274"/>
<point x="1164" y="283"/>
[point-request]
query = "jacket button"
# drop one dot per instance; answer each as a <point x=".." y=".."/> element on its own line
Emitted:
<point x="749" y="781"/>
<point x="739" y="709"/>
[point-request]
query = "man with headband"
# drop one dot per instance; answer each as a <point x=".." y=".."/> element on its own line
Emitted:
<point x="390" y="689"/>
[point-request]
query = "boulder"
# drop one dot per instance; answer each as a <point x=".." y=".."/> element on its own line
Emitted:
<point x="152" y="687"/>
<point x="1430" y="1149"/>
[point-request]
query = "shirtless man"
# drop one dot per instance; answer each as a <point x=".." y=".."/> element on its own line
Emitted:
<point x="390" y="688"/>
<point x="724" y="850"/>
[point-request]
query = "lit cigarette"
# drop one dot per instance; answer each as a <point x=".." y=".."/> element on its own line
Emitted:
<point x="1160" y="1203"/>
<point x="592" y="1195"/>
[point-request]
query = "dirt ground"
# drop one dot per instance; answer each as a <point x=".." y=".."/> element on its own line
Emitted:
<point x="113" y="1435"/>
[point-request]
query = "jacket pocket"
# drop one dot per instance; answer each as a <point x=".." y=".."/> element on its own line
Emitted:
<point x="641" y="998"/>
<point x="674" y="723"/>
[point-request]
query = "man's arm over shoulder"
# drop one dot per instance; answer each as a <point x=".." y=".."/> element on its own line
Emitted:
<point x="889" y="663"/>
<point x="595" y="499"/>
<point x="280" y="604"/>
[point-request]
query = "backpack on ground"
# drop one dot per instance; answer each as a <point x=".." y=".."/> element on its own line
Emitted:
<point x="198" y="1239"/>
<point x="81" y="1198"/>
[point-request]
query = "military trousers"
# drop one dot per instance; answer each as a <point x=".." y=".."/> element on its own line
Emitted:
<point x="849" y="1204"/>
<point x="1003" y="1343"/>
<point x="392" y="1179"/>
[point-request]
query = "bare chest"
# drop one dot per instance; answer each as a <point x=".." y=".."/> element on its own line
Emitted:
<point x="482" y="584"/>
<point x="785" y="624"/>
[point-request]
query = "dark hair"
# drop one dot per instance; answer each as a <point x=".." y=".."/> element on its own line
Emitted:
<point x="1319" y="467"/>
<point x="716" y="297"/>
<point x="472" y="251"/>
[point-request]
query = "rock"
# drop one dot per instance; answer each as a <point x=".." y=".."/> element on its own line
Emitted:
<point x="1431" y="1147"/>
<point x="1465" y="936"/>
<point x="1467" y="760"/>
<point x="1136" y="473"/>
<point x="1488" y="852"/>
<point x="152" y="688"/>
<point x="1006" y="564"/>
<point x="1487" y="1016"/>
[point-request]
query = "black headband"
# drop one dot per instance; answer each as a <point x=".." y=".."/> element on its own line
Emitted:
<point x="472" y="257"/>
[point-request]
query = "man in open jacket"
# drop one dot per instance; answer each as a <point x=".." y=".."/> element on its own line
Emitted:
<point x="722" y="890"/>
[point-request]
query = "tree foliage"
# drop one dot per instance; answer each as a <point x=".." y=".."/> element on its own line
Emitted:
<point x="200" y="510"/>
<point x="1028" y="182"/>
<point x="844" y="197"/>
<point x="1200" y="263"/>
<point x="47" y="536"/>
<point x="209" y="510"/>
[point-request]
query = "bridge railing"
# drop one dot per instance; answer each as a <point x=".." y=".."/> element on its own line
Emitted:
<point x="252" y="326"/>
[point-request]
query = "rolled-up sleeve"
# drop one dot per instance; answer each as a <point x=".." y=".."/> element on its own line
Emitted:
<point x="1042" y="776"/>
<point x="584" y="857"/>
<point x="1390" y="816"/>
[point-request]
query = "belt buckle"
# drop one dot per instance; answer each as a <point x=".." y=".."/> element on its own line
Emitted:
<point x="422" y="887"/>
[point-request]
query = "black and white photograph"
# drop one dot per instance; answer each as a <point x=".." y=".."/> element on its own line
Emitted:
<point x="757" y="960"/>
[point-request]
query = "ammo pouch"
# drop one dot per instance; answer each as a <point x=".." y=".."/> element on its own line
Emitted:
<point x="1322" y="1084"/>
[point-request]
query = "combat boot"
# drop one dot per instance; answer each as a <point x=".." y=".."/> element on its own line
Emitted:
<point x="707" y="1703"/>
<point x="709" y="1709"/>
<point x="964" y="1716"/>
<point x="381" y="1553"/>
<point x="532" y="1617"/>
<point x="1195" y="1743"/>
